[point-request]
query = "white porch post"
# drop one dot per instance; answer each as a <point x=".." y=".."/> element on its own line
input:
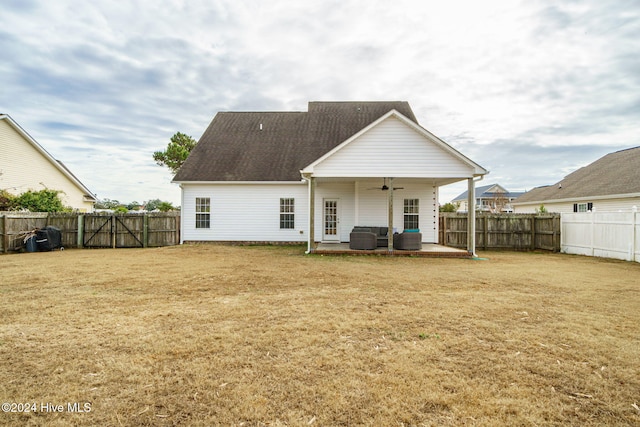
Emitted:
<point x="390" y="205"/>
<point x="471" y="216"/>
<point x="312" y="212"/>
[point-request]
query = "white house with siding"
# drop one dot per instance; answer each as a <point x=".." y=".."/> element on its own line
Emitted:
<point x="610" y="184"/>
<point x="25" y="165"/>
<point x="312" y="176"/>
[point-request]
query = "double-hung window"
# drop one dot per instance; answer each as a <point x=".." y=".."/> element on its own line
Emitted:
<point x="287" y="213"/>
<point x="411" y="214"/>
<point x="583" y="207"/>
<point x="203" y="212"/>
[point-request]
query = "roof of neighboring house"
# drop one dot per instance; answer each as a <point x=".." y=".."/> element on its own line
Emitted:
<point x="484" y="192"/>
<point x="56" y="163"/>
<point x="616" y="173"/>
<point x="275" y="146"/>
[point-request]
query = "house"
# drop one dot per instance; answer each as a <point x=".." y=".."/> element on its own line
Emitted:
<point x="311" y="176"/>
<point x="611" y="183"/>
<point x="25" y="165"/>
<point x="489" y="198"/>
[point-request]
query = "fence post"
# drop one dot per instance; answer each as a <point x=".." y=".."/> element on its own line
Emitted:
<point x="533" y="232"/>
<point x="5" y="235"/>
<point x="145" y="230"/>
<point x="113" y="232"/>
<point x="80" y="231"/>
<point x="486" y="231"/>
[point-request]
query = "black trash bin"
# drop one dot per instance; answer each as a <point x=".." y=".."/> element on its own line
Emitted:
<point x="49" y="238"/>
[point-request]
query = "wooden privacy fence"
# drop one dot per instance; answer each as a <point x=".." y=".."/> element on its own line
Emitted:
<point x="519" y="232"/>
<point x="93" y="230"/>
<point x="602" y="234"/>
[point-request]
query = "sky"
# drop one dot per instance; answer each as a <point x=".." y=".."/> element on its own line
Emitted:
<point x="530" y="90"/>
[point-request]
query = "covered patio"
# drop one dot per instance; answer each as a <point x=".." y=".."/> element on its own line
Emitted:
<point x="381" y="183"/>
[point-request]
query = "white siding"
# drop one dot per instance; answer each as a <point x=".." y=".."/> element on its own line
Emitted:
<point x="392" y="149"/>
<point x="250" y="212"/>
<point x="600" y="205"/>
<point x="245" y="212"/>
<point x="24" y="168"/>
<point x="362" y="203"/>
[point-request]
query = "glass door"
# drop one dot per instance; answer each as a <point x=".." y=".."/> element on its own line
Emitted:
<point x="331" y="221"/>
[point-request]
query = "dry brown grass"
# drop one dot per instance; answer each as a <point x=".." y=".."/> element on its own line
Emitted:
<point x="256" y="336"/>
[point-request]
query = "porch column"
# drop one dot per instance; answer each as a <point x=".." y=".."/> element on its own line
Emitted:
<point x="312" y="213"/>
<point x="471" y="216"/>
<point x="390" y="221"/>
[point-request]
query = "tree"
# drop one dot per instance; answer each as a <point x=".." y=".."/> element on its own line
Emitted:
<point x="107" y="204"/>
<point x="166" y="207"/>
<point x="449" y="207"/>
<point x="40" y="201"/>
<point x="152" y="204"/>
<point x="176" y="153"/>
<point x="6" y="200"/>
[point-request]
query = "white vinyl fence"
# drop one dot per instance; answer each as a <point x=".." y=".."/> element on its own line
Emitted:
<point x="602" y="234"/>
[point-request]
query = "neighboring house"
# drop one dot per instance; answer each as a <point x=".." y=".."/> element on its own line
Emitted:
<point x="611" y="183"/>
<point x="489" y="198"/>
<point x="25" y="165"/>
<point x="312" y="176"/>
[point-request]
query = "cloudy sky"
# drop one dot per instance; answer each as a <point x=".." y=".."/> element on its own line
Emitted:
<point x="531" y="89"/>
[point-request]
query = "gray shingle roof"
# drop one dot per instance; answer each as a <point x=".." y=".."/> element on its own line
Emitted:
<point x="275" y="146"/>
<point x="615" y="173"/>
<point x="483" y="192"/>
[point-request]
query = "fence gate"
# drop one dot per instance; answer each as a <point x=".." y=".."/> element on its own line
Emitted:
<point x="113" y="231"/>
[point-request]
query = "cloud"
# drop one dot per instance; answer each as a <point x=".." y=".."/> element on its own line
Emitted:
<point x="525" y="88"/>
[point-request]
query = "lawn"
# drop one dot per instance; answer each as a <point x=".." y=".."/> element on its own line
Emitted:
<point x="267" y="336"/>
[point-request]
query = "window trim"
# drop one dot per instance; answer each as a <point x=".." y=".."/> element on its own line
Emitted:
<point x="287" y="218"/>
<point x="583" y="207"/>
<point x="411" y="212"/>
<point x="203" y="213"/>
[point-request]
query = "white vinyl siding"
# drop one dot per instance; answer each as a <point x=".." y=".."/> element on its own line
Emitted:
<point x="392" y="149"/>
<point x="600" y="205"/>
<point x="25" y="168"/>
<point x="244" y="212"/>
<point x="363" y="203"/>
<point x="251" y="212"/>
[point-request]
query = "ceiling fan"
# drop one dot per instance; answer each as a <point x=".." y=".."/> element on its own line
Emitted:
<point x="385" y="187"/>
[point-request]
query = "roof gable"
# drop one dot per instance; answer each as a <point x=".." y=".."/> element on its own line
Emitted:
<point x="275" y="146"/>
<point x="395" y="146"/>
<point x="488" y="192"/>
<point x="58" y="165"/>
<point x="616" y="173"/>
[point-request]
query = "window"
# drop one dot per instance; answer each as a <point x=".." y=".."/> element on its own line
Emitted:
<point x="287" y="214"/>
<point x="411" y="214"/>
<point x="583" y="207"/>
<point x="203" y="212"/>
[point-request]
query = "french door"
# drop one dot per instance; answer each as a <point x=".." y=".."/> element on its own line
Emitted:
<point x="331" y="226"/>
